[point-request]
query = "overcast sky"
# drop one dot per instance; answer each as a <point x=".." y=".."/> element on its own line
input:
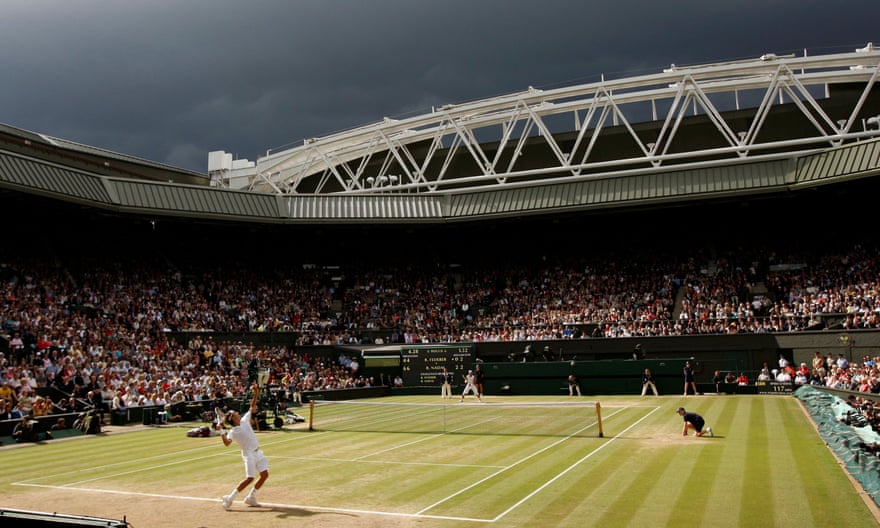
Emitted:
<point x="171" y="80"/>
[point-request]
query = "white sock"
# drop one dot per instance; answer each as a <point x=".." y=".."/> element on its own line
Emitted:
<point x="233" y="493"/>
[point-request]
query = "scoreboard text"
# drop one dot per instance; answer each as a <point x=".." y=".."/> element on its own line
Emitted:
<point x="422" y="365"/>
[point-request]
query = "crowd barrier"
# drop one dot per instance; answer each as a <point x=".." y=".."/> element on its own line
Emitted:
<point x="846" y="441"/>
<point x="157" y="414"/>
<point x="44" y="423"/>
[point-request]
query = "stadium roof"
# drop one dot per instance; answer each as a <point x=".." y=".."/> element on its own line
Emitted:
<point x="743" y="128"/>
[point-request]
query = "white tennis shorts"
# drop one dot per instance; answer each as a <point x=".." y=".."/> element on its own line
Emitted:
<point x="255" y="462"/>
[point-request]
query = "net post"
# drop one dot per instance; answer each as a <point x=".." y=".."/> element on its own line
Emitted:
<point x="599" y="416"/>
<point x="311" y="415"/>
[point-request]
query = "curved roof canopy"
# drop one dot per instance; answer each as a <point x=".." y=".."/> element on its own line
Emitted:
<point x="635" y="125"/>
<point x="722" y="130"/>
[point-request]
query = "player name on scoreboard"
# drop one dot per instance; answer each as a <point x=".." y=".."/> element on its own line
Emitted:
<point x="422" y="365"/>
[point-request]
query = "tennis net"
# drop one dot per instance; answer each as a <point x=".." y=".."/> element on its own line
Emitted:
<point x="522" y="418"/>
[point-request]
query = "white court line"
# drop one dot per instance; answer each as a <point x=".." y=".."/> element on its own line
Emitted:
<point x="263" y="504"/>
<point x="108" y="466"/>
<point x="518" y="462"/>
<point x="150" y="468"/>
<point x="571" y="467"/>
<point x="398" y="446"/>
<point x="420" y="514"/>
<point x="72" y="485"/>
<point x="425" y="439"/>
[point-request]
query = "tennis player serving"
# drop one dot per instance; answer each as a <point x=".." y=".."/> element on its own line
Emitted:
<point x="255" y="461"/>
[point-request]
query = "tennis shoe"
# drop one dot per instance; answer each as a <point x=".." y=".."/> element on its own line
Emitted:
<point x="709" y="431"/>
<point x="227" y="502"/>
<point x="251" y="501"/>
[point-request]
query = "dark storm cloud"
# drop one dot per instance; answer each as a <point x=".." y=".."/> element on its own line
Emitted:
<point x="171" y="80"/>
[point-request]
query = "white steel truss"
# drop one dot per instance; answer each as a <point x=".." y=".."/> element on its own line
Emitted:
<point x="483" y="145"/>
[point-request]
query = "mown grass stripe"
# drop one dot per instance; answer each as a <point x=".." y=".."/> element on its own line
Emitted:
<point x="727" y="419"/>
<point x="787" y="435"/>
<point x="634" y="495"/>
<point x="753" y="430"/>
<point x="648" y="474"/>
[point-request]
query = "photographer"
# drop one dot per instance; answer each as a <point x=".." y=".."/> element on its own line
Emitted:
<point x="27" y="430"/>
<point x="24" y="431"/>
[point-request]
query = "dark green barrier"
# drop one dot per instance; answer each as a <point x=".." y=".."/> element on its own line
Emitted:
<point x="612" y="376"/>
<point x="551" y="377"/>
<point x="346" y="394"/>
<point x="846" y="442"/>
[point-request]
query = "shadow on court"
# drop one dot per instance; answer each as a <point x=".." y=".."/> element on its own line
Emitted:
<point x="292" y="512"/>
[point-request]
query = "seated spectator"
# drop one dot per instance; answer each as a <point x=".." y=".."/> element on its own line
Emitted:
<point x="6" y="391"/>
<point x="118" y="402"/>
<point x="16" y="412"/>
<point x="26" y="400"/>
<point x="6" y="407"/>
<point x="177" y="397"/>
<point x="717" y="379"/>
<point x="804" y="369"/>
<point x="742" y="380"/>
<point x="62" y="406"/>
<point x="730" y="378"/>
<point x="835" y="381"/>
<point x="40" y="407"/>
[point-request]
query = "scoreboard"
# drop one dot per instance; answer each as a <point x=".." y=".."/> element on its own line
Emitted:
<point x="422" y="364"/>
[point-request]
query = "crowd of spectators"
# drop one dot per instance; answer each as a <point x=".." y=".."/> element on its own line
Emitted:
<point x="863" y="415"/>
<point x="102" y="327"/>
<point x="833" y="372"/>
<point x="115" y="380"/>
